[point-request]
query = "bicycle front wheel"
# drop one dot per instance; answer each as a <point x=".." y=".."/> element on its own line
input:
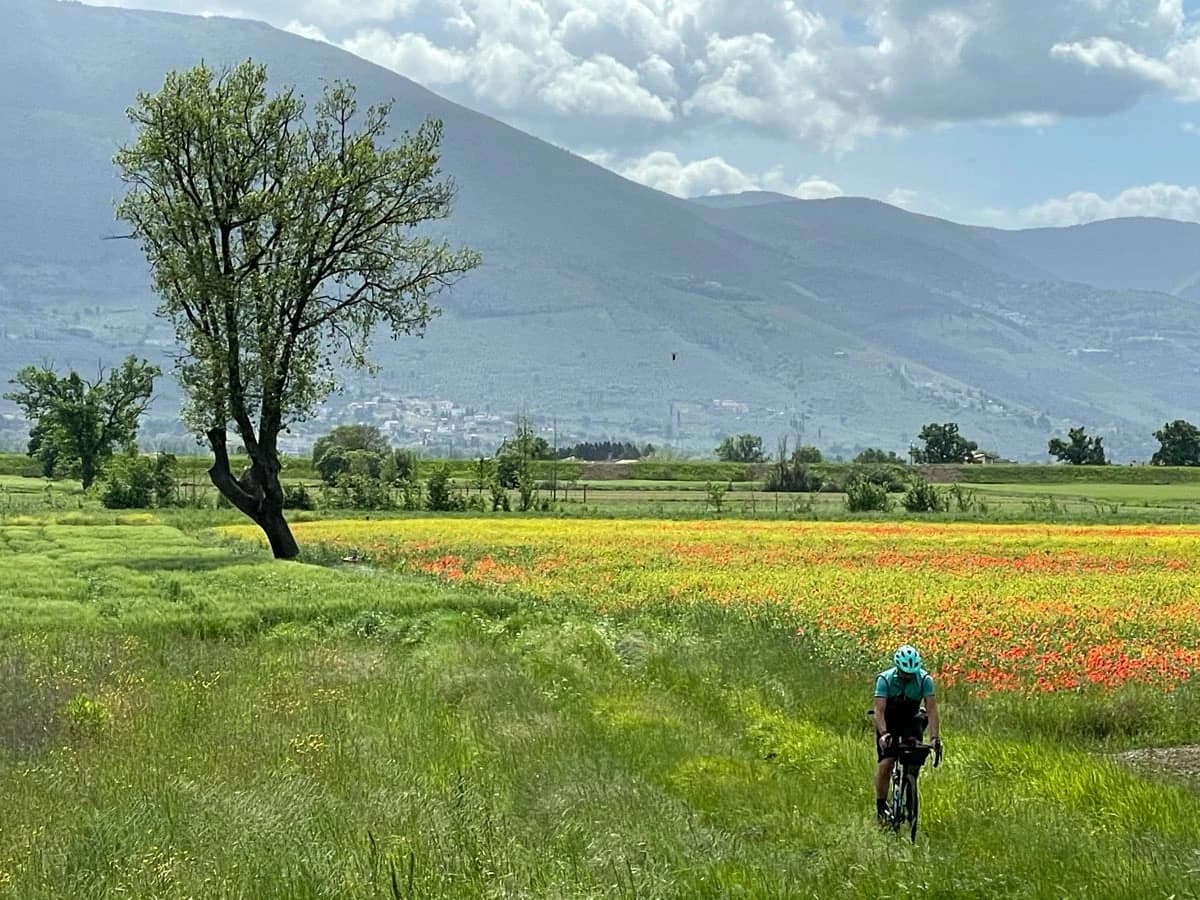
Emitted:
<point x="911" y="802"/>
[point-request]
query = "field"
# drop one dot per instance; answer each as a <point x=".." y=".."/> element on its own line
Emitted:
<point x="529" y="707"/>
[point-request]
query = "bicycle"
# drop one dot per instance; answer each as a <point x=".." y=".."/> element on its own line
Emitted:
<point x="904" y="799"/>
<point x="904" y="802"/>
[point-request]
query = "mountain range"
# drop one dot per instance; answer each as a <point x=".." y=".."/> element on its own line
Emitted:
<point x="614" y="309"/>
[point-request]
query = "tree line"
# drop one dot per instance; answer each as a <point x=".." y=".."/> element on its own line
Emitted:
<point x="941" y="443"/>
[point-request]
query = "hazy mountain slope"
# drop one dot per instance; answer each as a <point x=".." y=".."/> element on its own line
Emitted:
<point x="1121" y="254"/>
<point x="608" y="305"/>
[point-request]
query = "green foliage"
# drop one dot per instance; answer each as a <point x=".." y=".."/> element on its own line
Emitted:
<point x="514" y="459"/>
<point x="500" y="499"/>
<point x="605" y="451"/>
<point x="483" y="473"/>
<point x="337" y="461"/>
<point x="744" y="448"/>
<point x="297" y="496"/>
<point x="943" y="444"/>
<point x="366" y="463"/>
<point x="1179" y="444"/>
<point x="86" y="716"/>
<point x="139" y="482"/>
<point x="863" y="495"/>
<point x="412" y="492"/>
<point x="78" y="422"/>
<point x="527" y="490"/>
<point x="440" y="495"/>
<point x="794" y="475"/>
<point x="361" y="492"/>
<point x="1079" y="449"/>
<point x="351" y="437"/>
<point x="681" y="470"/>
<point x="923" y="497"/>
<point x="403" y="465"/>
<point x="716" y="495"/>
<point x="807" y="454"/>
<point x="332" y="464"/>
<point x="873" y="455"/>
<point x="508" y="470"/>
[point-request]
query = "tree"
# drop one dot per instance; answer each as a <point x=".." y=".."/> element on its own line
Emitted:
<point x="943" y="444"/>
<point x="807" y="454"/>
<point x="1079" y="449"/>
<point x="351" y="437"/>
<point x="873" y="455"/>
<point x="1179" y="445"/>
<point x="278" y="241"/>
<point x="79" y="422"/>
<point x="745" y="448"/>
<point x="516" y="452"/>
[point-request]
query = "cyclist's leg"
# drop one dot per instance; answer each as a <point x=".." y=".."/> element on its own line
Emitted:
<point x="883" y="774"/>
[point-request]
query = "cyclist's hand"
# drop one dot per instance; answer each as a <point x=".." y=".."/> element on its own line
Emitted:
<point x="885" y="741"/>
<point x="937" y="752"/>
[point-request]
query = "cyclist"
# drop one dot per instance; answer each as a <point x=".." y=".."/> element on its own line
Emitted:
<point x="899" y="695"/>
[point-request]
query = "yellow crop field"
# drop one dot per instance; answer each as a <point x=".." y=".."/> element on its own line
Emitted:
<point x="993" y="607"/>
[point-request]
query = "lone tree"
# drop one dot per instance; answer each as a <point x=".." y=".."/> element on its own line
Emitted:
<point x="75" y="423"/>
<point x="943" y="444"/>
<point x="745" y="448"/>
<point x="351" y="437"/>
<point x="278" y="242"/>
<point x="1179" y="445"/>
<point x="1079" y="449"/>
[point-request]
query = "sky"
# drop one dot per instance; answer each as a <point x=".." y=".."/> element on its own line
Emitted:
<point x="1012" y="113"/>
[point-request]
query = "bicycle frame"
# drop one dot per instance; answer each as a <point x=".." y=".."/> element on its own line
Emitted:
<point x="903" y="806"/>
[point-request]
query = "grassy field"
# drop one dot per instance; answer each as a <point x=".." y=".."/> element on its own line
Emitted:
<point x="182" y="717"/>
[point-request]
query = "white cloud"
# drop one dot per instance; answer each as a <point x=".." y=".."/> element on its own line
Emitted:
<point x="412" y="55"/>
<point x="604" y="87"/>
<point x="1167" y="201"/>
<point x="664" y="171"/>
<point x="903" y="197"/>
<point x="312" y="32"/>
<point x="784" y="67"/>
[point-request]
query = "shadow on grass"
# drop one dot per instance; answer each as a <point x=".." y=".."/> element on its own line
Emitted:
<point x="192" y="562"/>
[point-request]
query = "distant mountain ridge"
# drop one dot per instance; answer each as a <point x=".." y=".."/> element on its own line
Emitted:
<point x="616" y="309"/>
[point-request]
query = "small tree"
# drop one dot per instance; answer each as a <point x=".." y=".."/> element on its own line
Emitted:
<point x="1179" y="445"/>
<point x="863" y="495"/>
<point x="139" y="482"/>
<point x="440" y="495"/>
<point x="516" y="452"/>
<point x="807" y="454"/>
<point x="79" y="422"/>
<point x="1079" y="449"/>
<point x="874" y="456"/>
<point x="332" y="463"/>
<point x="791" y="475"/>
<point x="924" y="497"/>
<point x="351" y="437"/>
<point x="943" y="444"/>
<point x="278" y="240"/>
<point x="745" y="448"/>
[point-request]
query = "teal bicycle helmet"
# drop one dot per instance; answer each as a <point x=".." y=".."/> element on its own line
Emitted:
<point x="907" y="659"/>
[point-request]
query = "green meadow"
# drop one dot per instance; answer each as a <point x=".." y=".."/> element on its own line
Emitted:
<point x="183" y="717"/>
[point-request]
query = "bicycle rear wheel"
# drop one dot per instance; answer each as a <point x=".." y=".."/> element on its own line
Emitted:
<point x="911" y="802"/>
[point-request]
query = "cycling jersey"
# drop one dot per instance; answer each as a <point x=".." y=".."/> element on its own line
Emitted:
<point x="903" y="697"/>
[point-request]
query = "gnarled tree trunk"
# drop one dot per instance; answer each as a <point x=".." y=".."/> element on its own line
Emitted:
<point x="257" y="493"/>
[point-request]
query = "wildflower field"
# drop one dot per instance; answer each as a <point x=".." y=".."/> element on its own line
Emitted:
<point x="1025" y="608"/>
